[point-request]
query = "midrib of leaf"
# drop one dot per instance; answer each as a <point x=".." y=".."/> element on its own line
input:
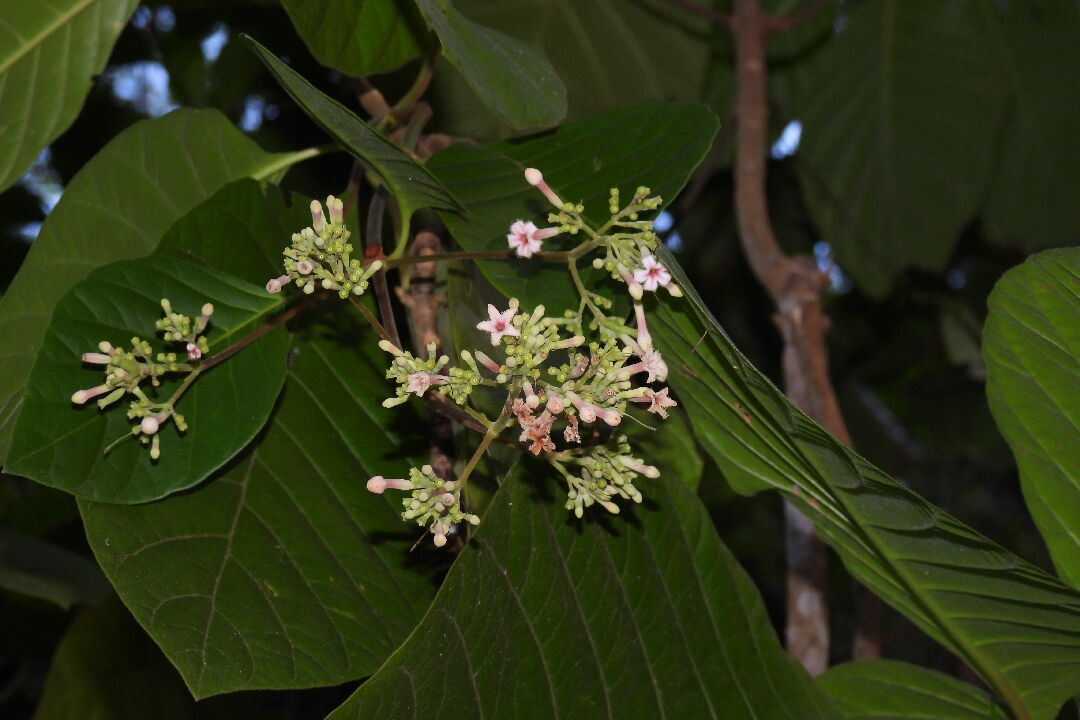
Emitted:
<point x="843" y="517"/>
<point x="45" y="33"/>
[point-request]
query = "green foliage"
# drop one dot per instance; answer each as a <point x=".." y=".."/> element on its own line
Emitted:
<point x="511" y="78"/>
<point x="251" y="553"/>
<point x="49" y="55"/>
<point x="359" y="37"/>
<point x="607" y="53"/>
<point x="118" y="207"/>
<point x="545" y="617"/>
<point x="900" y="115"/>
<point x="35" y="568"/>
<point x="1032" y="348"/>
<point x="887" y="688"/>
<point x="1012" y="623"/>
<point x="408" y="181"/>
<point x="618" y="149"/>
<point x="130" y="680"/>
<point x="225" y="408"/>
<point x="1033" y="196"/>
<point x="281" y="571"/>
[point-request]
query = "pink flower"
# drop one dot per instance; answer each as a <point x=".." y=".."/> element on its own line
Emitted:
<point x="658" y="402"/>
<point x="499" y="324"/>
<point x="193" y="351"/>
<point x="526" y="238"/>
<point x="653" y="275"/>
<point x="419" y="382"/>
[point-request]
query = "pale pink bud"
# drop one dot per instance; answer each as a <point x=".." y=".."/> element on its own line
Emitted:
<point x="318" y="221"/>
<point x="439" y="539"/>
<point x="336" y="208"/>
<point x="106" y="347"/>
<point x="536" y="178"/>
<point x="193" y="351"/>
<point x="487" y="362"/>
<point x="95" y="358"/>
<point x="554" y="404"/>
<point x="90" y="393"/>
<point x="304" y="267"/>
<point x="149" y="425"/>
<point x="447" y="499"/>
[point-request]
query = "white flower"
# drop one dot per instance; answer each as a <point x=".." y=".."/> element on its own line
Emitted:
<point x="522" y="238"/>
<point x="499" y="324"/>
<point x="653" y="275"/>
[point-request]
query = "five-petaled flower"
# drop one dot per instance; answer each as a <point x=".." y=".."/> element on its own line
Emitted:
<point x="653" y="275"/>
<point x="499" y="324"/>
<point x="525" y="238"/>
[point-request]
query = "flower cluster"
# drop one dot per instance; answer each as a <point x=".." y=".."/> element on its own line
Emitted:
<point x="126" y="370"/>
<point x="556" y="388"/>
<point x="629" y="241"/>
<point x="432" y="501"/>
<point x="415" y="376"/>
<point x="607" y="471"/>
<point x="322" y="254"/>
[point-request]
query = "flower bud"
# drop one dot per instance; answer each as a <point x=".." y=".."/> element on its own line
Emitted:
<point x="149" y="425"/>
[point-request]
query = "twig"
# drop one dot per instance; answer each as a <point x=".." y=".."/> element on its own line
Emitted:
<point x="422" y="304"/>
<point x="795" y="285"/>
<point x="257" y="333"/>
<point x="374" y="250"/>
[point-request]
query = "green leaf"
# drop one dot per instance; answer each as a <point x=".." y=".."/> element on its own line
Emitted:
<point x="49" y="55"/>
<point x="282" y="571"/>
<point x="608" y="54"/>
<point x="1036" y="183"/>
<point x="1016" y="626"/>
<point x="900" y="116"/>
<point x="38" y="569"/>
<point x="63" y="446"/>
<point x="544" y="616"/>
<point x="116" y="208"/>
<point x="510" y="77"/>
<point x="409" y="182"/>
<point x="657" y="145"/>
<point x="358" y="37"/>
<point x="1032" y="349"/>
<point x="105" y="668"/>
<point x="879" y="689"/>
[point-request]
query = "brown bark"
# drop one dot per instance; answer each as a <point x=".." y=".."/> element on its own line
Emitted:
<point x="795" y="285"/>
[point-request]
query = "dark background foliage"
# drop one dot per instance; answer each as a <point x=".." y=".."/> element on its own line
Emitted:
<point x="906" y="321"/>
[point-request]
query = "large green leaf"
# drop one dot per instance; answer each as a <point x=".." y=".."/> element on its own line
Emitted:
<point x="1016" y="626"/>
<point x="49" y="55"/>
<point x="542" y="616"/>
<point x="510" y="77"/>
<point x="1032" y="349"/>
<point x="409" y="182"/>
<point x="657" y="145"/>
<point x="63" y="446"/>
<point x="106" y="668"/>
<point x="35" y="568"/>
<point x="900" y="116"/>
<point x="281" y="571"/>
<point x="891" y="690"/>
<point x="358" y="37"/>
<point x="1033" y="196"/>
<point x="608" y="54"/>
<point x="116" y="208"/>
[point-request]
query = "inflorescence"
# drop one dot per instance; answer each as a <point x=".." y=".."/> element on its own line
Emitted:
<point x="322" y="255"/>
<point x="125" y="371"/>
<point x="560" y="389"/>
